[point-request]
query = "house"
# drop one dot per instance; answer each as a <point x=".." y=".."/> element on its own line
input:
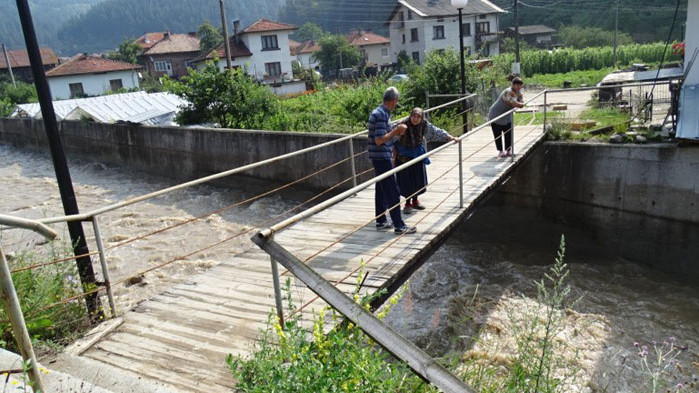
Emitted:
<point x="262" y="49"/>
<point x="539" y="36"/>
<point x="305" y="54"/>
<point x="170" y="55"/>
<point x="374" y="48"/>
<point x="688" y="125"/>
<point x="86" y="75"/>
<point x="418" y="27"/>
<point x="19" y="61"/>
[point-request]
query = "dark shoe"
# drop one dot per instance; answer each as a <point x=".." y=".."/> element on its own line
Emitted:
<point x="408" y="210"/>
<point x="418" y="206"/>
<point x="383" y="225"/>
<point x="405" y="229"/>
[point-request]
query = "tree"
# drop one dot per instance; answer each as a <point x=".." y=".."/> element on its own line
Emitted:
<point x="209" y="36"/>
<point x="11" y="95"/>
<point x="128" y="51"/>
<point x="309" y="31"/>
<point x="335" y="53"/>
<point x="588" y="37"/>
<point x="230" y="98"/>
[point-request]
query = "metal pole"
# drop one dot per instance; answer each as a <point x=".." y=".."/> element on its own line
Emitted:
<point x="427" y="104"/>
<point x="277" y="291"/>
<point x="616" y="28"/>
<point x="19" y="327"/>
<point x="65" y="184"/>
<point x="464" y="115"/>
<point x="354" y="168"/>
<point x="512" y="130"/>
<point x="224" y="26"/>
<point x="517" y="32"/>
<point x="545" y="109"/>
<point x="461" y="176"/>
<point x="103" y="263"/>
<point x="9" y="66"/>
<point x="421" y="363"/>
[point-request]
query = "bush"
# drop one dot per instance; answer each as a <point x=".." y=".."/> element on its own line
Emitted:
<point x="12" y="95"/>
<point x="579" y="37"/>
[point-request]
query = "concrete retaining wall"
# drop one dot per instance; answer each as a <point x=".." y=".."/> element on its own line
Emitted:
<point x="188" y="153"/>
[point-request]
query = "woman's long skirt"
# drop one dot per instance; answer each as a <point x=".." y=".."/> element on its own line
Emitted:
<point x="411" y="180"/>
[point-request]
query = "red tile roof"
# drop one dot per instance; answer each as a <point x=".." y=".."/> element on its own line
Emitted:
<point x="293" y="44"/>
<point x="175" y="43"/>
<point x="20" y="58"/>
<point x="364" y="38"/>
<point x="267" y="25"/>
<point x="82" y="64"/>
<point x="238" y="49"/>
<point x="306" y="47"/>
<point x="147" y="40"/>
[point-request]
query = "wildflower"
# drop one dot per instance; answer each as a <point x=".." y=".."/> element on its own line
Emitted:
<point x="635" y="344"/>
<point x="680" y="386"/>
<point x="672" y="339"/>
<point x="43" y="370"/>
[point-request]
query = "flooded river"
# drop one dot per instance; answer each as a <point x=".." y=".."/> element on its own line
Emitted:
<point x="461" y="301"/>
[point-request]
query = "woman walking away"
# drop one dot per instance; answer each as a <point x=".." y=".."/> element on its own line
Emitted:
<point x="508" y="99"/>
<point x="413" y="180"/>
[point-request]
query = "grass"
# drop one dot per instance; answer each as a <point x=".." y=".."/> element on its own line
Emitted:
<point x="576" y="78"/>
<point x="523" y="119"/>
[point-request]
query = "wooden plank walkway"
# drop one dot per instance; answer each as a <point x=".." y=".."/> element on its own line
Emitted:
<point x="179" y="339"/>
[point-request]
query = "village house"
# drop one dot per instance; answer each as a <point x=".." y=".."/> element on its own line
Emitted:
<point x="86" y="75"/>
<point x="263" y="50"/>
<point x="418" y="27"/>
<point x="305" y="54"/>
<point x="538" y="36"/>
<point x="168" y="54"/>
<point x="375" y="49"/>
<point x="19" y="62"/>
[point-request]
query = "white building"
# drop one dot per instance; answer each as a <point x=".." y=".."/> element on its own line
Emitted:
<point x="262" y="49"/>
<point x="374" y="48"/>
<point x="85" y="75"/>
<point x="421" y="26"/>
<point x="305" y="54"/>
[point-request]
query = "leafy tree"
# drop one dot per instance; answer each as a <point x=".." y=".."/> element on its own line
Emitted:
<point x="405" y="62"/>
<point x="335" y="53"/>
<point x="230" y="98"/>
<point x="507" y="45"/>
<point x="11" y="95"/>
<point x="209" y="36"/>
<point x="587" y="37"/>
<point x="128" y="51"/>
<point x="309" y="31"/>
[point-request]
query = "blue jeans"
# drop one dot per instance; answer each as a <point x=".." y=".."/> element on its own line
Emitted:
<point x="387" y="194"/>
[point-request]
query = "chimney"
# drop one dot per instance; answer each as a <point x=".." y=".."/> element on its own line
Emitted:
<point x="166" y="35"/>
<point x="146" y="40"/>
<point x="192" y="33"/>
<point x="236" y="30"/>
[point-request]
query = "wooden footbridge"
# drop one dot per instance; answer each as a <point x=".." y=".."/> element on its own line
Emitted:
<point x="178" y="340"/>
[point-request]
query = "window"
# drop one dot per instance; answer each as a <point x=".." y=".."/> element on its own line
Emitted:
<point x="363" y="53"/>
<point x="410" y="15"/>
<point x="76" y="90"/>
<point x="438" y="32"/>
<point x="413" y="35"/>
<point x="416" y="57"/>
<point x="467" y="29"/>
<point x="404" y="38"/>
<point x="482" y="28"/>
<point x="163" y="66"/>
<point x="384" y="52"/>
<point x="482" y="16"/>
<point x="115" y="84"/>
<point x="269" y="42"/>
<point x="440" y="19"/>
<point x="273" y="69"/>
<point x="401" y="19"/>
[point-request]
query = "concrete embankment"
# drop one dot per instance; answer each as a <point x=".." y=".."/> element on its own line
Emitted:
<point x="637" y="202"/>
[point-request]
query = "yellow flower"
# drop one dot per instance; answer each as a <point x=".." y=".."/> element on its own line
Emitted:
<point x="43" y="370"/>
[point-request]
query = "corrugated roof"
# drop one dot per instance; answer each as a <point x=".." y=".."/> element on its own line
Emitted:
<point x="138" y="107"/>
<point x="20" y="58"/>
<point x="175" y="43"/>
<point x="90" y="65"/>
<point x="426" y="8"/>
<point x="263" y="25"/>
<point x="533" y="29"/>
<point x="364" y="38"/>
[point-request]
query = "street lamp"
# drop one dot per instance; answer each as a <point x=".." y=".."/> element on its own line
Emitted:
<point x="460" y="4"/>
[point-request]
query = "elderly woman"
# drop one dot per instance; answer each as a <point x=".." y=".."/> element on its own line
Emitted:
<point x="413" y="180"/>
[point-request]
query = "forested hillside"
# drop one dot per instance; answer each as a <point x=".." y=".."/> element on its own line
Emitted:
<point x="645" y="20"/>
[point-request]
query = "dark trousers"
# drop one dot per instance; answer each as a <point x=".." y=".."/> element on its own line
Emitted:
<point x="387" y="194"/>
<point x="505" y="130"/>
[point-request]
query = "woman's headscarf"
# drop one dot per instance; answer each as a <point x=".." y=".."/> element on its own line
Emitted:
<point x="415" y="133"/>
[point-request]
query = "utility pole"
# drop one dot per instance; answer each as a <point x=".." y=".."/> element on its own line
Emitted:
<point x="9" y="66"/>
<point x="516" y="67"/>
<point x="616" y="28"/>
<point x="60" y="164"/>
<point x="224" y="25"/>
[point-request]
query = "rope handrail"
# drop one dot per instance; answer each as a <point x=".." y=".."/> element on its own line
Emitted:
<point x="266" y="233"/>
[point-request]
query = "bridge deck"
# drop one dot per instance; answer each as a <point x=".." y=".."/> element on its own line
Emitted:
<point x="179" y="339"/>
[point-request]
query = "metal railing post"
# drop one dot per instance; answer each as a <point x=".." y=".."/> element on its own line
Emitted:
<point x="354" y="167"/>
<point x="545" y="109"/>
<point x="427" y="104"/>
<point x="103" y="263"/>
<point x="277" y="290"/>
<point x="19" y="327"/>
<point x="512" y="130"/>
<point x="461" y="175"/>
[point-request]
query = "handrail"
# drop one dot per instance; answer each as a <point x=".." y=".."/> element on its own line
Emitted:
<point x="87" y="216"/>
<point x="33" y="225"/>
<point x="266" y="233"/>
<point x="641" y="84"/>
